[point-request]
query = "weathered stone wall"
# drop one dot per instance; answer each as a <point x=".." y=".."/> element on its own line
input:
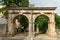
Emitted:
<point x="3" y="30"/>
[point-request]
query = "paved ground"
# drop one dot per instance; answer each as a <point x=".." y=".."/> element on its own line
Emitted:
<point x="38" y="37"/>
<point x="46" y="37"/>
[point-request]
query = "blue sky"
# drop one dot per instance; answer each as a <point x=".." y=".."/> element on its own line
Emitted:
<point x="47" y="3"/>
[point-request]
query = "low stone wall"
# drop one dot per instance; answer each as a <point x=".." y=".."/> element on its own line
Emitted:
<point x="3" y="30"/>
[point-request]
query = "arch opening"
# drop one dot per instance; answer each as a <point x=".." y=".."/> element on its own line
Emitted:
<point x="41" y="24"/>
<point x="21" y="24"/>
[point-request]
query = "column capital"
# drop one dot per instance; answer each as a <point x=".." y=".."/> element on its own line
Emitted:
<point x="31" y="22"/>
<point x="51" y="22"/>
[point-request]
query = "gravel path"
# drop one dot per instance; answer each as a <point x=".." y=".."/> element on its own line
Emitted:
<point x="38" y="37"/>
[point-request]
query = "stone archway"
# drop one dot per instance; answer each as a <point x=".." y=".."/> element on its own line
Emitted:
<point x="21" y="25"/>
<point x="51" y="22"/>
<point x="13" y="25"/>
<point x="31" y="14"/>
<point x="44" y="28"/>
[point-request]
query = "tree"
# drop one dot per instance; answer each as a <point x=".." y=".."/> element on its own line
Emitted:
<point x="14" y="3"/>
<point x="7" y="2"/>
<point x="42" y="23"/>
<point x="23" y="21"/>
<point x="25" y="3"/>
<point x="57" y="20"/>
<point x="5" y="12"/>
<point x="19" y="3"/>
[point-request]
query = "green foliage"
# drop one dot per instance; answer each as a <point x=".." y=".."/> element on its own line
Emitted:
<point x="5" y="12"/>
<point x="23" y="20"/>
<point x="57" y="20"/>
<point x="13" y="5"/>
<point x="25" y="3"/>
<point x="42" y="23"/>
<point x="19" y="3"/>
<point x="2" y="9"/>
<point x="7" y="2"/>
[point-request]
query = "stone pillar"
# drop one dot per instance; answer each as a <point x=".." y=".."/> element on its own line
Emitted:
<point x="51" y="26"/>
<point x="51" y="29"/>
<point x="31" y="25"/>
<point x="10" y="25"/>
<point x="30" y="29"/>
<point x="37" y="30"/>
<point x="33" y="29"/>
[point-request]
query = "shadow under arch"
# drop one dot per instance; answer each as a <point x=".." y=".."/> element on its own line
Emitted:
<point x="23" y="20"/>
<point x="20" y="16"/>
<point x="38" y="21"/>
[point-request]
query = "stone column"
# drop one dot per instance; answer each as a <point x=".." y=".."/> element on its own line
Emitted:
<point x="31" y="25"/>
<point x="30" y="29"/>
<point x="37" y="30"/>
<point x="33" y="29"/>
<point x="51" y="29"/>
<point x="51" y="26"/>
<point x="10" y="25"/>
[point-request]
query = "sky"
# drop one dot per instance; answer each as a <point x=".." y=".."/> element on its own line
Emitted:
<point x="47" y="3"/>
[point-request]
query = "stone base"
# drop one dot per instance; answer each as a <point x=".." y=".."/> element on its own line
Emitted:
<point x="10" y="34"/>
<point x="52" y="34"/>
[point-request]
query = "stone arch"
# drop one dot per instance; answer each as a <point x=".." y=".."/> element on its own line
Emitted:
<point x="51" y="23"/>
<point x="20" y="15"/>
<point x="35" y="16"/>
<point x="14" y="25"/>
<point x="16" y="17"/>
<point x="37" y="30"/>
<point x="31" y="16"/>
<point x="43" y="15"/>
